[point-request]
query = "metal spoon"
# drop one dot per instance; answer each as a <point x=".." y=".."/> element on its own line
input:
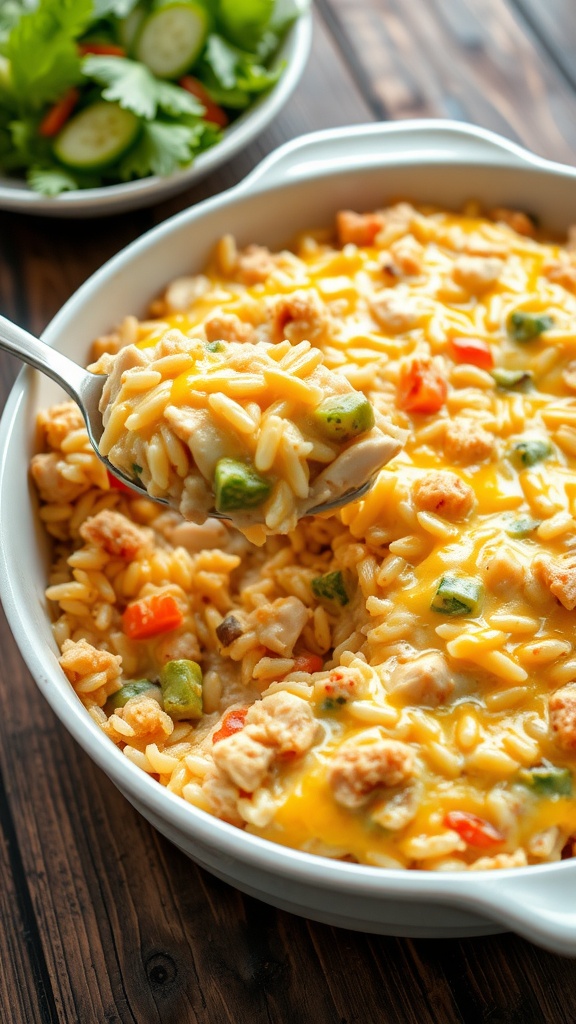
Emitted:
<point x="86" y="390"/>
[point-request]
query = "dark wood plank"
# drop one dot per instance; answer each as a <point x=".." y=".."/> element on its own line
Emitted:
<point x="472" y="60"/>
<point x="554" y="25"/>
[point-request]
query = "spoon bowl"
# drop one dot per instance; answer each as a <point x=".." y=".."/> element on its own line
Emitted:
<point x="85" y="388"/>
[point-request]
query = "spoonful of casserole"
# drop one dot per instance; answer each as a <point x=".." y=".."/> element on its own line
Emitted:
<point x="260" y="434"/>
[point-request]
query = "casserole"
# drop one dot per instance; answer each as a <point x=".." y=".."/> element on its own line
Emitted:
<point x="302" y="184"/>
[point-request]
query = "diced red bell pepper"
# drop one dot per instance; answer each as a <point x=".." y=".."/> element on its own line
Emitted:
<point x="55" y="119"/>
<point x="307" y="662"/>
<point x="212" y="112"/>
<point x="475" y="831"/>
<point x="102" y="49"/>
<point x="421" y="387"/>
<point x="233" y="722"/>
<point x="471" y="350"/>
<point x="118" y="485"/>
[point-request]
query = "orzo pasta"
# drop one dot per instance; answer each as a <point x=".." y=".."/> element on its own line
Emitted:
<point x="394" y="684"/>
<point x="261" y="433"/>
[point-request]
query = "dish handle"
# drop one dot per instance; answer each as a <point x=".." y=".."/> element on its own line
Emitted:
<point x="319" y="153"/>
<point x="540" y="906"/>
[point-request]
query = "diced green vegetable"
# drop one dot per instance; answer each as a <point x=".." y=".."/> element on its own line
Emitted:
<point x="238" y="486"/>
<point x="522" y="527"/>
<point x="342" y="418"/>
<point x="135" y="688"/>
<point x="529" y="452"/>
<point x="513" y="380"/>
<point x="96" y="137"/>
<point x="547" y="781"/>
<point x="458" y="595"/>
<point x="214" y="346"/>
<point x="333" y="703"/>
<point x="136" y="469"/>
<point x="331" y="587"/>
<point x="172" y="37"/>
<point x="527" y="326"/>
<point x="181" y="683"/>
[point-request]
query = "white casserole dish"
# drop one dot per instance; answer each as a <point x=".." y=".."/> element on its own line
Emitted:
<point x="300" y="185"/>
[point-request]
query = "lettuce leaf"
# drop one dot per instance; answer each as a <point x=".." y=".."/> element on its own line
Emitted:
<point x="42" y="51"/>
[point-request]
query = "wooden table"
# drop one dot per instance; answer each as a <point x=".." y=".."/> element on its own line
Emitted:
<point x="102" y="919"/>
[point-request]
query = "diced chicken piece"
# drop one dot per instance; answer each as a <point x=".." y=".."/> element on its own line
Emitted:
<point x="476" y="273"/>
<point x="80" y="659"/>
<point x="562" y="271"/>
<point x="517" y="859"/>
<point x="206" y="441"/>
<point x="227" y="327"/>
<point x="427" y="680"/>
<point x="127" y="359"/>
<point x="278" y="727"/>
<point x="212" y="534"/>
<point x="467" y="443"/>
<point x="392" y="312"/>
<point x="359" y="770"/>
<point x="300" y="316"/>
<point x="279" y="624"/>
<point x="503" y="572"/>
<point x="59" y="421"/>
<point x="340" y="686"/>
<point x="559" y="576"/>
<point x="399" y="809"/>
<point x="150" y="723"/>
<point x="443" y="493"/>
<point x="116" y="534"/>
<point x="48" y="471"/>
<point x="245" y="760"/>
<point x="358" y="228"/>
<point x="255" y="264"/>
<point x="519" y="221"/>
<point x="562" y="705"/>
<point x="222" y="796"/>
<point x="183" y="292"/>
<point x="355" y="465"/>
<point x="283" y="721"/>
<point x="407" y="253"/>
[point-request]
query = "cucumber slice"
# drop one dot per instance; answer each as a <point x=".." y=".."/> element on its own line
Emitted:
<point x="96" y="137"/>
<point x="172" y="37"/>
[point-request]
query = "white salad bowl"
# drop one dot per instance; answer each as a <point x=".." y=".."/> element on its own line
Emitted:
<point x="300" y="185"/>
<point x="132" y="195"/>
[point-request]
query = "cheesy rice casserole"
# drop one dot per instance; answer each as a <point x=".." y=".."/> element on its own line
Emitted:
<point x="394" y="684"/>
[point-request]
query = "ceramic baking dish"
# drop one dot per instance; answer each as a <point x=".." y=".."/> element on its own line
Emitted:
<point x="300" y="185"/>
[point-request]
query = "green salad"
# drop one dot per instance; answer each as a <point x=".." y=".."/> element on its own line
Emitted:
<point x="96" y="92"/>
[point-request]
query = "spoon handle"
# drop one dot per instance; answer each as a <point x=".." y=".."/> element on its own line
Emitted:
<point x="19" y="342"/>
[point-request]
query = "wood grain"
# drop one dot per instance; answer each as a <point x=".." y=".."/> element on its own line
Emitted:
<point x="102" y="920"/>
<point x="472" y="60"/>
